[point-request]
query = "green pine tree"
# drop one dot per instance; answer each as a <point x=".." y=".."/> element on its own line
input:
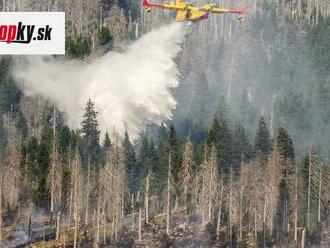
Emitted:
<point x="262" y="140"/>
<point x="173" y="148"/>
<point x="213" y="135"/>
<point x="78" y="47"/>
<point x="106" y="142"/>
<point x="242" y="146"/>
<point x="90" y="132"/>
<point x="220" y="135"/>
<point x="129" y="160"/>
<point x="285" y="144"/>
<point x="104" y="37"/>
<point x="224" y="146"/>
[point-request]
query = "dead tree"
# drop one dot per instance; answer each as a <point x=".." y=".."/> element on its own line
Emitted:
<point x="113" y="183"/>
<point x="76" y="192"/>
<point x="148" y="179"/>
<point x="272" y="180"/>
<point x="55" y="173"/>
<point x="252" y="183"/>
<point x="312" y="183"/>
<point x="11" y="163"/>
<point x="168" y="195"/>
<point x="186" y="174"/>
<point x="213" y="183"/>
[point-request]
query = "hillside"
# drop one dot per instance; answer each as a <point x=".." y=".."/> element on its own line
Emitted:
<point x="149" y="133"/>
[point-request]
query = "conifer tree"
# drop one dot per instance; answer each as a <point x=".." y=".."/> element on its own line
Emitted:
<point x="224" y="146"/>
<point x="129" y="158"/>
<point x="285" y="144"/>
<point x="262" y="140"/>
<point x="213" y="135"/>
<point x="242" y="148"/>
<point x="106" y="145"/>
<point x="153" y="156"/>
<point x="143" y="165"/>
<point x="106" y="142"/>
<point x="90" y="131"/>
<point x="173" y="147"/>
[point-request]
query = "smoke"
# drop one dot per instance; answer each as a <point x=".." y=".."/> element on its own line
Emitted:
<point x="129" y="89"/>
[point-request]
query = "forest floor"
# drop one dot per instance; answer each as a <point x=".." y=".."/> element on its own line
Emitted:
<point x="36" y="229"/>
<point x="30" y="227"/>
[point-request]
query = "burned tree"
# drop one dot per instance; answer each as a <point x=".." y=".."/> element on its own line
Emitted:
<point x="186" y="175"/>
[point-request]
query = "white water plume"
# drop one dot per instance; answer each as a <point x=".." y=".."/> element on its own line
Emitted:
<point x="129" y="89"/>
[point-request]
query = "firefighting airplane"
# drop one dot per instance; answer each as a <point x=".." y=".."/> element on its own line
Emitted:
<point x="186" y="11"/>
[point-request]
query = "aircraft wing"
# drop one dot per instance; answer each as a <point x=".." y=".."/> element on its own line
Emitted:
<point x="165" y="5"/>
<point x="222" y="10"/>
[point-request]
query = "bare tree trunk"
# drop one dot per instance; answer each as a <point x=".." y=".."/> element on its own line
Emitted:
<point x="97" y="238"/>
<point x="203" y="180"/>
<point x="52" y="191"/>
<point x="140" y="217"/>
<point x="210" y="196"/>
<point x="296" y="207"/>
<point x="122" y="208"/>
<point x="140" y="224"/>
<point x="219" y="213"/>
<point x="103" y="215"/>
<point x="230" y="198"/>
<point x="319" y="204"/>
<point x="64" y="239"/>
<point x="309" y="187"/>
<point x="76" y="200"/>
<point x="116" y="228"/>
<point x="76" y="225"/>
<point x="176" y="202"/>
<point x="133" y="215"/>
<point x="203" y="193"/>
<point x="241" y="214"/>
<point x="255" y="223"/>
<point x="168" y="195"/>
<point x="58" y="223"/>
<point x="113" y="226"/>
<point x="70" y="213"/>
<point x="146" y="200"/>
<point x="264" y="218"/>
<point x="303" y="238"/>
<point x="87" y="191"/>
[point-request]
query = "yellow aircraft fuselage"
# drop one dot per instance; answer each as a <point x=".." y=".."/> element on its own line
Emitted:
<point x="186" y="11"/>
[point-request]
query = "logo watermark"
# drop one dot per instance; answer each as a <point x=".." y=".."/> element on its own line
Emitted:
<point x="32" y="32"/>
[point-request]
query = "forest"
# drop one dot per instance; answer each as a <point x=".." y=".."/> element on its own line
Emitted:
<point x="243" y="160"/>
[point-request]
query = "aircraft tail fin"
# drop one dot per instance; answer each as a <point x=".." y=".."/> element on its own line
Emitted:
<point x="145" y="3"/>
